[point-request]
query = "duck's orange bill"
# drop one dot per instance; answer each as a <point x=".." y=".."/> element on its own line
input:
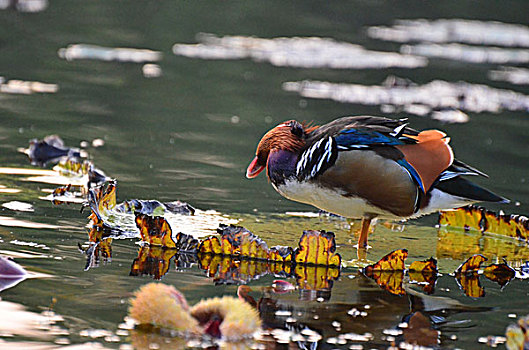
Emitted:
<point x="254" y="169"/>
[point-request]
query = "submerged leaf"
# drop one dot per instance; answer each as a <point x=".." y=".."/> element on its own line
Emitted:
<point x="471" y="265"/>
<point x="317" y="248"/>
<point x="500" y="273"/>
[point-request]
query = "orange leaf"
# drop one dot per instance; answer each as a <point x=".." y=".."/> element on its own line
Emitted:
<point x="426" y="266"/>
<point x="155" y="231"/>
<point x="393" y="261"/>
<point x="424" y="273"/>
<point x="471" y="265"/>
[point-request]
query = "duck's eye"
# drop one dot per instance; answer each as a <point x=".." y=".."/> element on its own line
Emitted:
<point x="296" y="128"/>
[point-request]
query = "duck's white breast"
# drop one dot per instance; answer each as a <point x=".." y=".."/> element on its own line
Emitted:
<point x="330" y="200"/>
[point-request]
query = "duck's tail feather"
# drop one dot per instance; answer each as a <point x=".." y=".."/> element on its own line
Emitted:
<point x="461" y="187"/>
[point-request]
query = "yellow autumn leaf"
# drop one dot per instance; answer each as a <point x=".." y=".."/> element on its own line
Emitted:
<point x="472" y="264"/>
<point x="317" y="248"/>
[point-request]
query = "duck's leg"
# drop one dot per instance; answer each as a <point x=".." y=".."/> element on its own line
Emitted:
<point x="361" y="251"/>
<point x="364" y="232"/>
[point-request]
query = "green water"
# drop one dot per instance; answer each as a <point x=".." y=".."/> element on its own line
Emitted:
<point x="190" y="134"/>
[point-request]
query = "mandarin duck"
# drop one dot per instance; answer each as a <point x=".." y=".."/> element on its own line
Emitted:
<point x="367" y="167"/>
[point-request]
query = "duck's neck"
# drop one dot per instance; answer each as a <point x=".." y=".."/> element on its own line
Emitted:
<point x="281" y="166"/>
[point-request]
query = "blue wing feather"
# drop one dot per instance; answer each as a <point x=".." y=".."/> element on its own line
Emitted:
<point x="356" y="138"/>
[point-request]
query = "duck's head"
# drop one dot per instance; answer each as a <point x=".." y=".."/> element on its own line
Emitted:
<point x="288" y="136"/>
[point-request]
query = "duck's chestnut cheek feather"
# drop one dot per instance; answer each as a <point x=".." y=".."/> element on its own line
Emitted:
<point x="254" y="169"/>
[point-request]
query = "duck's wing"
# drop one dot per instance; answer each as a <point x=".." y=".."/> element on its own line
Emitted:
<point x="377" y="134"/>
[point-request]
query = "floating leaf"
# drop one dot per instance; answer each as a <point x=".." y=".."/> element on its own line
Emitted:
<point x="393" y="261"/>
<point x="427" y="266"/>
<point x="72" y="167"/>
<point x="210" y="245"/>
<point x="280" y="254"/>
<point x="155" y="231"/>
<point x="471" y="265"/>
<point x="317" y="248"/>
<point x="478" y="218"/>
<point x="469" y="282"/>
<point x="500" y="273"/>
<point x="467" y="217"/>
<point x="424" y="273"/>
